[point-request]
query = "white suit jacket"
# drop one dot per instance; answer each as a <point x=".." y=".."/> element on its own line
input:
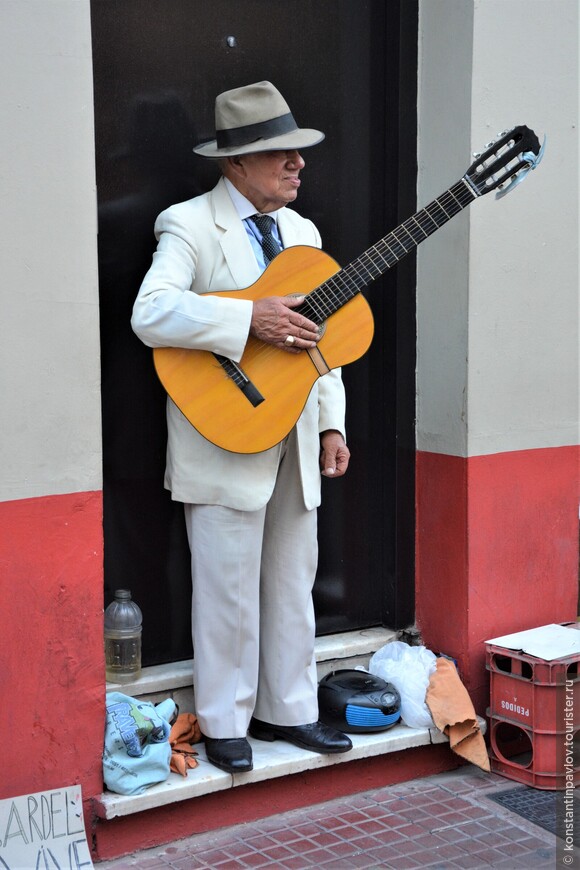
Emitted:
<point x="203" y="247"/>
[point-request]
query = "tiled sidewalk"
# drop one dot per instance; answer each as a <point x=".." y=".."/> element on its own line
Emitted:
<point x="445" y="821"/>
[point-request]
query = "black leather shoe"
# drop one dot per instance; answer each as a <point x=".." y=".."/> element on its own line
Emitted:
<point x="316" y="737"/>
<point x="234" y="755"/>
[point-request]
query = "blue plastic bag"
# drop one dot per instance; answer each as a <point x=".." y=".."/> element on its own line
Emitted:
<point x="137" y="751"/>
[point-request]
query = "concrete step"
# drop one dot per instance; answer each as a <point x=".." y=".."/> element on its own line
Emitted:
<point x="270" y="760"/>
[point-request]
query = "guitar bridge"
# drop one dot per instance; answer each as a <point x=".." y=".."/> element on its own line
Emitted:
<point x="241" y="380"/>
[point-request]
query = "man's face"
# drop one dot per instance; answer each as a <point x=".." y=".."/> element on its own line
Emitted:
<point x="268" y="179"/>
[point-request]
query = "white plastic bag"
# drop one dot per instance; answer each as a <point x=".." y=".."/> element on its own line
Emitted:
<point x="408" y="668"/>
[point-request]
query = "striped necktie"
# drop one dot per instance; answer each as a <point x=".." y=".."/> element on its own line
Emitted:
<point x="270" y="246"/>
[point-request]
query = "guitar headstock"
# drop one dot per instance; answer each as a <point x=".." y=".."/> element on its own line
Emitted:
<point x="506" y="161"/>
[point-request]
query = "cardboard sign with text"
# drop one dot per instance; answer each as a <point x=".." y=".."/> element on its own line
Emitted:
<point x="44" y="831"/>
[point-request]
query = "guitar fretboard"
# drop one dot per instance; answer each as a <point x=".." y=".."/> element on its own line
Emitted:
<point x="390" y="250"/>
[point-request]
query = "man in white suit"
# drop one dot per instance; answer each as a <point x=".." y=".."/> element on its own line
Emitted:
<point x="251" y="518"/>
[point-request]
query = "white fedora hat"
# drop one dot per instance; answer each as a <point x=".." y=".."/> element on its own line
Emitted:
<point x="252" y="119"/>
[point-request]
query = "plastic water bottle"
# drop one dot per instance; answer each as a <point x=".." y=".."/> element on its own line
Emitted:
<point x="123" y="620"/>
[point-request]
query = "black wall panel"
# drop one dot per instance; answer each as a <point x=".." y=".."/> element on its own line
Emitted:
<point x="347" y="67"/>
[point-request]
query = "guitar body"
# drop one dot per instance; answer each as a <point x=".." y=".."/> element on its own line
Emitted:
<point x="216" y="406"/>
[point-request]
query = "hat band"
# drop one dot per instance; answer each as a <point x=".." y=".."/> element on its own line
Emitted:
<point x="252" y="132"/>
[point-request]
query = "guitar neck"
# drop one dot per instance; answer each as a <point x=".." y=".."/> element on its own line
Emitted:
<point x="387" y="252"/>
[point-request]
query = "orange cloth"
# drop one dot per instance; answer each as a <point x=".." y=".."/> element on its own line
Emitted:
<point x="454" y="715"/>
<point x="184" y="732"/>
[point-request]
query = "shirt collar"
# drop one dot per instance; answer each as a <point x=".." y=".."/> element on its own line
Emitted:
<point x="243" y="206"/>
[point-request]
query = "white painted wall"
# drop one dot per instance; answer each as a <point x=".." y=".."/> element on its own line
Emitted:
<point x="498" y="286"/>
<point x="49" y="344"/>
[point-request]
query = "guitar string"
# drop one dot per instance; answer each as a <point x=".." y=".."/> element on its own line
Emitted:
<point x="340" y="288"/>
<point x="449" y="204"/>
<point x="333" y="293"/>
<point x="394" y="244"/>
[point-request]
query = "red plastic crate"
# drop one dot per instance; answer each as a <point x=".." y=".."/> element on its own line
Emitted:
<point x="534" y="718"/>
<point x="533" y="691"/>
<point x="542" y="760"/>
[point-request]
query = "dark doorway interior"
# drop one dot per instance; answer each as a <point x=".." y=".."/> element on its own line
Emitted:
<point x="347" y="67"/>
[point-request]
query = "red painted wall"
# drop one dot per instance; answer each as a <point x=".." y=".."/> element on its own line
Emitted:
<point x="52" y="684"/>
<point x="497" y="550"/>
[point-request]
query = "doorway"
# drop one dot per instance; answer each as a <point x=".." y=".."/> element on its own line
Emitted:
<point x="347" y="67"/>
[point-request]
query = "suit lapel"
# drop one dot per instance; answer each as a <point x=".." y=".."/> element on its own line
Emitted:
<point x="234" y="242"/>
<point x="288" y="231"/>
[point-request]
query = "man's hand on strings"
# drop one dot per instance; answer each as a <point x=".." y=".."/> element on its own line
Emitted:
<point x="275" y="322"/>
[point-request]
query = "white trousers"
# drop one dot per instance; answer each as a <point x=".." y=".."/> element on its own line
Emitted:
<point x="252" y="612"/>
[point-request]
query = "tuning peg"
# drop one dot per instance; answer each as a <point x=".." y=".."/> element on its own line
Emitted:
<point x="477" y="154"/>
<point x="489" y="144"/>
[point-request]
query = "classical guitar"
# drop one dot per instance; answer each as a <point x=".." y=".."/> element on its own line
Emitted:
<point x="250" y="406"/>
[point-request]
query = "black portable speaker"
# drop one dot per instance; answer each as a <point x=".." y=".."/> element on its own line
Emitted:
<point x="356" y="701"/>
